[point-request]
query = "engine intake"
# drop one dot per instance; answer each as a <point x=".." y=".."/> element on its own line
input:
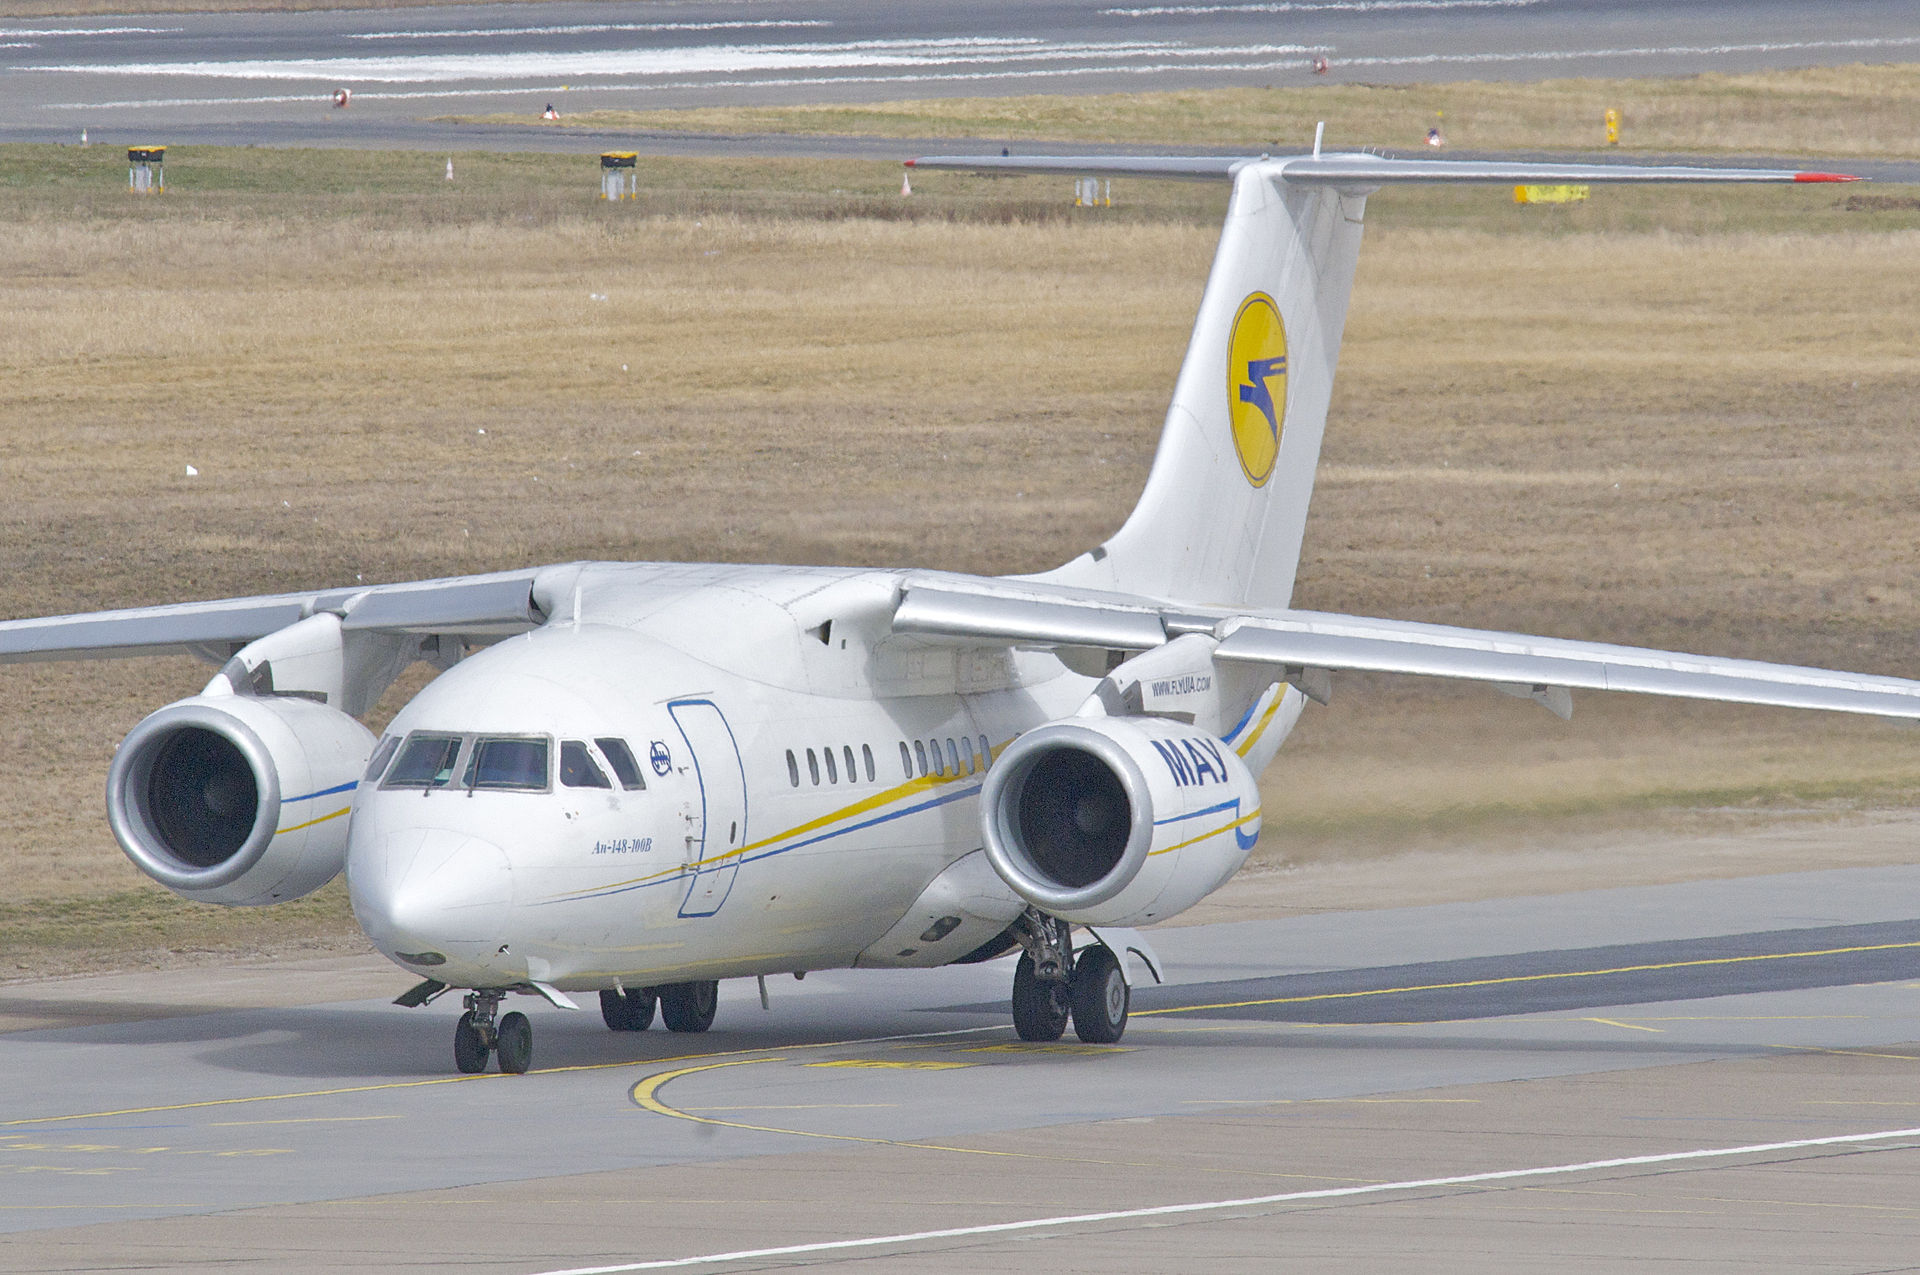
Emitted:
<point x="199" y="791"/>
<point x="1118" y="820"/>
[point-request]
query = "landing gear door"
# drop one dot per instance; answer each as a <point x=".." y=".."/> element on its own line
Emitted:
<point x="722" y="829"/>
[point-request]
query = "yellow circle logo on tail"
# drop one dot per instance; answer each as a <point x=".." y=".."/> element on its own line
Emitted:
<point x="1257" y="385"/>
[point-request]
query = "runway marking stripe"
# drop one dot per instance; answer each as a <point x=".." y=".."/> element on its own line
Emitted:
<point x="645" y="1095"/>
<point x="1258" y="1201"/>
<point x="1854" y="1053"/>
<point x="883" y="1064"/>
<point x="1525" y="978"/>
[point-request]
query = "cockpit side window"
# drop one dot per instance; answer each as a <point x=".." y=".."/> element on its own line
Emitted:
<point x="512" y="763"/>
<point x="381" y="756"/>
<point x="426" y="761"/>
<point x="578" y="769"/>
<point x="620" y="757"/>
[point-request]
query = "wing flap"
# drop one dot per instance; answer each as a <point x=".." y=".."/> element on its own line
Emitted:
<point x="929" y="611"/>
<point x="498" y="604"/>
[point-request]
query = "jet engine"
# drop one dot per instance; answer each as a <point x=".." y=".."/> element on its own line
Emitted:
<point x="1118" y="820"/>
<point x="238" y="799"/>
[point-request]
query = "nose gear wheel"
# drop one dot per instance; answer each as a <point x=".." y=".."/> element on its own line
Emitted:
<point x="477" y="1035"/>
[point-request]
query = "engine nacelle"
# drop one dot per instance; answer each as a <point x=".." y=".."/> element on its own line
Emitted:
<point x="238" y="799"/>
<point x="1118" y="820"/>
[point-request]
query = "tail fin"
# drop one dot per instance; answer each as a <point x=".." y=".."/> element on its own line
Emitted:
<point x="1225" y="505"/>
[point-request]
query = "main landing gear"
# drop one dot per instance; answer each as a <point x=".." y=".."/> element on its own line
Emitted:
<point x="1052" y="984"/>
<point x="684" y="1007"/>
<point x="478" y="1034"/>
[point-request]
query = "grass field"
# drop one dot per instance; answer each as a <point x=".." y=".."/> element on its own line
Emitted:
<point x="1833" y="111"/>
<point x="1669" y="417"/>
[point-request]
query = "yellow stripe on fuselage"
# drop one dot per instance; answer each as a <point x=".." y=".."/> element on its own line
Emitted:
<point x="912" y="788"/>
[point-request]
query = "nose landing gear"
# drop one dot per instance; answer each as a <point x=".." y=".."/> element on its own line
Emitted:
<point x="477" y="1035"/>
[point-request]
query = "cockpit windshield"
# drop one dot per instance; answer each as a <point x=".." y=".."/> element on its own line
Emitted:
<point x="503" y="763"/>
<point x="426" y="762"/>
<point x="509" y="763"/>
<point x="377" y="764"/>
<point x="578" y="768"/>
<point x="620" y="757"/>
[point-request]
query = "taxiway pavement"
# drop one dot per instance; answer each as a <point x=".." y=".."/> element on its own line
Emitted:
<point x="1285" y="1058"/>
<point x="268" y="78"/>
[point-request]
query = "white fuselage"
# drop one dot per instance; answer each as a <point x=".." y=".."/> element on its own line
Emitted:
<point x="806" y="773"/>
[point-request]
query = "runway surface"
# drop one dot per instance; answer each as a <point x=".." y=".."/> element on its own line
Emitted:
<point x="1328" y="1092"/>
<point x="255" y="78"/>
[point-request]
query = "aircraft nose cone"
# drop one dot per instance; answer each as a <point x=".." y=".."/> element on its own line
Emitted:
<point x="424" y="892"/>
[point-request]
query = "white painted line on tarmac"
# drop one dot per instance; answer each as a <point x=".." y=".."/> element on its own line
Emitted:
<point x="1207" y="1206"/>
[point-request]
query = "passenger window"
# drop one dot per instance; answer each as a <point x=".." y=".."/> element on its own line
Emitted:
<point x="509" y="764"/>
<point x="986" y="753"/>
<point x="793" y="769"/>
<point x="620" y="757"/>
<point x="906" y="760"/>
<point x="853" y="775"/>
<point x="381" y="756"/>
<point x="966" y="751"/>
<point x="426" y="762"/>
<point x="866" y="753"/>
<point x="578" y="769"/>
<point x="833" y="776"/>
<point x="953" y="756"/>
<point x="813" y="767"/>
<point x="933" y="748"/>
<point x="920" y="756"/>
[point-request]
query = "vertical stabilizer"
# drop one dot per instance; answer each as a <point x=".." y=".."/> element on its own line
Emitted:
<point x="1225" y="506"/>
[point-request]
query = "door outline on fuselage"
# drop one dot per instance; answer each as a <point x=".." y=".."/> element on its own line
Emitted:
<point x="713" y="752"/>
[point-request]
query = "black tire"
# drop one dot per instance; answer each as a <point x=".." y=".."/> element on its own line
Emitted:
<point x="469" y="1050"/>
<point x="1039" y="1005"/>
<point x="689" y="1007"/>
<point x="514" y="1044"/>
<point x="1100" y="996"/>
<point x="629" y="1012"/>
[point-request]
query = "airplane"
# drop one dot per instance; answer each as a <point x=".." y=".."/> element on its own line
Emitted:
<point x="637" y="779"/>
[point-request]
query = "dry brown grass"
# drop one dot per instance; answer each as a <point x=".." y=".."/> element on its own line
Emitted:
<point x="1558" y="421"/>
<point x="1855" y="110"/>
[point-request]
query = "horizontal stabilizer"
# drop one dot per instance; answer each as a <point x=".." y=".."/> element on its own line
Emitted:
<point x="1363" y="170"/>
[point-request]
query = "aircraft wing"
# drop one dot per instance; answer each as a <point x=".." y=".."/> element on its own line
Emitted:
<point x="1306" y="644"/>
<point x="481" y="608"/>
